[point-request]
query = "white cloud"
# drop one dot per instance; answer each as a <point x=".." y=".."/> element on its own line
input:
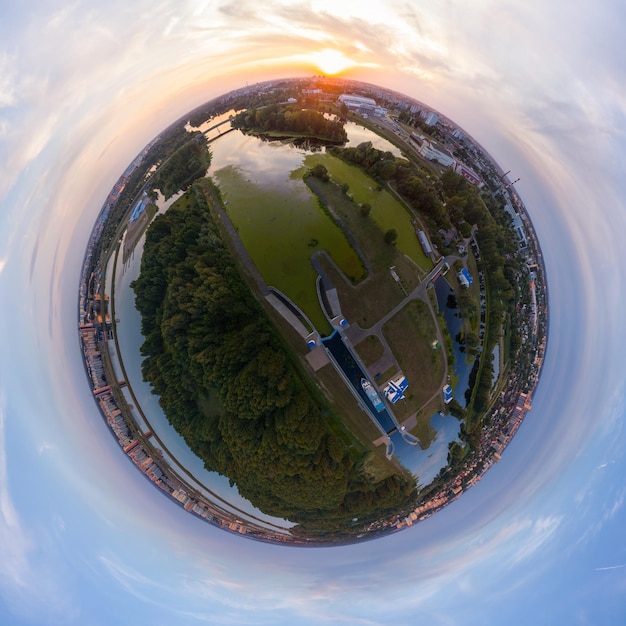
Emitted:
<point x="540" y="532"/>
<point x="609" y="568"/>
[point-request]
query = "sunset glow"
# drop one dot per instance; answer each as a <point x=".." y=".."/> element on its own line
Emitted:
<point x="332" y="62"/>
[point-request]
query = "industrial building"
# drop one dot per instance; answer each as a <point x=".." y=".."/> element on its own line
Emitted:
<point x="432" y="151"/>
<point x="468" y="173"/>
<point x="361" y="104"/>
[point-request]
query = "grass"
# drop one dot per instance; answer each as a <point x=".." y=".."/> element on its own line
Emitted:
<point x="281" y="227"/>
<point x="387" y="212"/>
<point x="410" y="334"/>
<point x="367" y="302"/>
<point x="370" y="350"/>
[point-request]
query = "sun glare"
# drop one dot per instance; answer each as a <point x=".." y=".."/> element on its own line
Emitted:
<point x="331" y="61"/>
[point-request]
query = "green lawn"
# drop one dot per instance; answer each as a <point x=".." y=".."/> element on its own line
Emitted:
<point x="281" y="227"/>
<point x="410" y="334"/>
<point x="387" y="212"/>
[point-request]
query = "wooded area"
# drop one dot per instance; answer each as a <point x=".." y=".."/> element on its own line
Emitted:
<point x="291" y="120"/>
<point x="189" y="162"/>
<point x="232" y="389"/>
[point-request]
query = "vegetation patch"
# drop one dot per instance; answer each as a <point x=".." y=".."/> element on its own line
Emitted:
<point x="410" y="334"/>
<point x="386" y="211"/>
<point x="370" y="350"/>
<point x="188" y="163"/>
<point x="279" y="120"/>
<point x="231" y="389"/>
<point x="278" y="227"/>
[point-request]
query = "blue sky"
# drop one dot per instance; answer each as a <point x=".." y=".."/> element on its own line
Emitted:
<point x="84" y="539"/>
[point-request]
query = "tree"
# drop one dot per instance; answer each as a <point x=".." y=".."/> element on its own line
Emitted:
<point x="391" y="236"/>
<point x="366" y="209"/>
<point x="320" y="171"/>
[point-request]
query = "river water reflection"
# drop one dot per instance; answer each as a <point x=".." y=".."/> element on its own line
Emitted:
<point x="461" y="369"/>
<point x="268" y="164"/>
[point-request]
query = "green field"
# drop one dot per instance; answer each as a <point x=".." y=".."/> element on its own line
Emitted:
<point x="410" y="334"/>
<point x="281" y="227"/>
<point x="387" y="212"/>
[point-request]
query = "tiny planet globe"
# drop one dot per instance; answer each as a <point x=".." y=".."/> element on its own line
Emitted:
<point x="313" y="311"/>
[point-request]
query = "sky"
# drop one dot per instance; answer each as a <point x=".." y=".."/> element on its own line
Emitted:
<point x="85" y="539"/>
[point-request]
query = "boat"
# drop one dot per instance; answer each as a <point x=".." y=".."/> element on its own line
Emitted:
<point x="370" y="392"/>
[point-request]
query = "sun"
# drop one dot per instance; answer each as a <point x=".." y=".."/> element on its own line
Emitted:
<point x="331" y="61"/>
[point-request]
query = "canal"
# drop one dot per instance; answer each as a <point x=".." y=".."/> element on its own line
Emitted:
<point x="461" y="368"/>
<point x="354" y="373"/>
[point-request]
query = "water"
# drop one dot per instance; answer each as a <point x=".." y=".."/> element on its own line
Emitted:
<point x="496" y="363"/>
<point x="354" y="374"/>
<point x="426" y="464"/>
<point x="358" y="134"/>
<point x="461" y="369"/>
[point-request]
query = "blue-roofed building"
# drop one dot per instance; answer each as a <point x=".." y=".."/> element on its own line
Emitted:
<point x="394" y="389"/>
<point x="465" y="278"/>
<point x="447" y="394"/>
<point x="139" y="207"/>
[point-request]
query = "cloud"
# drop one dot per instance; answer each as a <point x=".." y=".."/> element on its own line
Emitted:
<point x="30" y="582"/>
<point x="609" y="567"/>
<point x="539" y="533"/>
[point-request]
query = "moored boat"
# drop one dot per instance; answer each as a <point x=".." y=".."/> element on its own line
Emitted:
<point x="371" y="393"/>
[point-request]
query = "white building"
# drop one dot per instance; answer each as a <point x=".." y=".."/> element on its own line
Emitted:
<point x="432" y="151"/>
<point x="468" y="173"/>
<point x="361" y="104"/>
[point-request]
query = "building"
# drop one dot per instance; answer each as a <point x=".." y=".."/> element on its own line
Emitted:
<point x="139" y="207"/>
<point x="468" y="173"/>
<point x="432" y="151"/>
<point x="361" y="105"/>
<point x="447" y="394"/>
<point x="465" y="278"/>
<point x="394" y="389"/>
<point x="421" y="235"/>
<point x="431" y="118"/>
<point x="354" y="102"/>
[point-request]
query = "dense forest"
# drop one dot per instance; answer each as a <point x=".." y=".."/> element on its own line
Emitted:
<point x="290" y="120"/>
<point x="231" y="388"/>
<point x="189" y="162"/>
